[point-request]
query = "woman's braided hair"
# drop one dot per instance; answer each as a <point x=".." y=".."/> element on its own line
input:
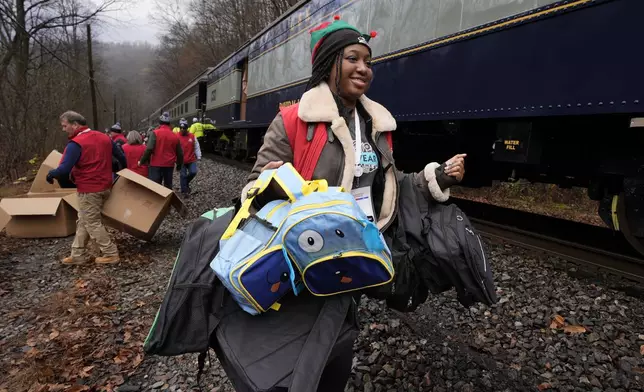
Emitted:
<point x="322" y="72"/>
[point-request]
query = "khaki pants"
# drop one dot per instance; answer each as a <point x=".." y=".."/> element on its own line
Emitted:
<point x="89" y="224"/>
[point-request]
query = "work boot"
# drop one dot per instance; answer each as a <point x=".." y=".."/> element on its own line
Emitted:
<point x="107" y="260"/>
<point x="75" y="260"/>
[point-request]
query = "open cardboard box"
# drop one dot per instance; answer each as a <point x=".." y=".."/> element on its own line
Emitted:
<point x="47" y="211"/>
<point x="40" y="184"/>
<point x="137" y="205"/>
<point x="39" y="217"/>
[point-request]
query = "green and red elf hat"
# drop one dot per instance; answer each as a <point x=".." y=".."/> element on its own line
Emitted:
<point x="336" y="35"/>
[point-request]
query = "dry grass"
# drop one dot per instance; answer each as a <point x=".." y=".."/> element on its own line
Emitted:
<point x="545" y="199"/>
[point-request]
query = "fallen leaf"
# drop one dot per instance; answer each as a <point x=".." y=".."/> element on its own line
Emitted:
<point x="81" y="284"/>
<point x="31" y="342"/>
<point x="137" y="361"/>
<point x="123" y="356"/>
<point x="117" y="379"/>
<point x="642" y="349"/>
<point x="53" y="335"/>
<point x="78" y="388"/>
<point x="32" y="352"/>
<point x="140" y="303"/>
<point x="78" y="334"/>
<point x="548" y="365"/>
<point x="56" y="387"/>
<point x="127" y="336"/>
<point x="638" y="370"/>
<point x="544" y="386"/>
<point x="85" y="372"/>
<point x="557" y="322"/>
<point x="574" y="329"/>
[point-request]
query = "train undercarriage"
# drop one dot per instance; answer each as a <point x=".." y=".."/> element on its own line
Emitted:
<point x="603" y="154"/>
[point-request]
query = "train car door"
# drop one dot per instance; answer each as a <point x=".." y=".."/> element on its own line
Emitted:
<point x="244" y="85"/>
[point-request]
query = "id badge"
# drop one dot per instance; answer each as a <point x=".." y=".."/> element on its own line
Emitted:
<point x="363" y="198"/>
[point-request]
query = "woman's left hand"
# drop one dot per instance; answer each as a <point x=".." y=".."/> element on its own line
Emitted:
<point x="455" y="166"/>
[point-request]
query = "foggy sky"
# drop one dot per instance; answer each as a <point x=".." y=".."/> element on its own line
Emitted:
<point x="132" y="24"/>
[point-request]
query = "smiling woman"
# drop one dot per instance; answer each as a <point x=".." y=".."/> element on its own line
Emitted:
<point x="338" y="134"/>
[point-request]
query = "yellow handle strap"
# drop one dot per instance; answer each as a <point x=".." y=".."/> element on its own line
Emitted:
<point x="315" y="185"/>
<point x="243" y="213"/>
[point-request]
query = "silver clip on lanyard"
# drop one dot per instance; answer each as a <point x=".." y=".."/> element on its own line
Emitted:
<point x="358" y="169"/>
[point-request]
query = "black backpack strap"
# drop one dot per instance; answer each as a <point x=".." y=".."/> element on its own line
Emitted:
<point x="319" y="344"/>
<point x="220" y="297"/>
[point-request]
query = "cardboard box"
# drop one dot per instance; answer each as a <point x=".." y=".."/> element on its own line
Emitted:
<point x="137" y="205"/>
<point x="39" y="217"/>
<point x="60" y="192"/>
<point x="40" y="183"/>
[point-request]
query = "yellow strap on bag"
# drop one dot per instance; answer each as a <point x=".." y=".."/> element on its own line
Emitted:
<point x="315" y="186"/>
<point x="244" y="210"/>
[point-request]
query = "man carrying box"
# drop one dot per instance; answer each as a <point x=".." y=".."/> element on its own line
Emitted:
<point x="88" y="157"/>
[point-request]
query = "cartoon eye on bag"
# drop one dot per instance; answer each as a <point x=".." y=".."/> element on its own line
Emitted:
<point x="275" y="281"/>
<point x="310" y="241"/>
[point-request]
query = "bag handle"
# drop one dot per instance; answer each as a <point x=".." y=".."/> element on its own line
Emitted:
<point x="314" y="356"/>
<point x="288" y="179"/>
<point x="315" y="186"/>
<point x="244" y="210"/>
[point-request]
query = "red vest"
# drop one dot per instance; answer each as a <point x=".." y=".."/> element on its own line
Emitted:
<point x="165" y="148"/>
<point x="93" y="171"/>
<point x="306" y="154"/>
<point x="120" y="138"/>
<point x="188" y="147"/>
<point x="133" y="154"/>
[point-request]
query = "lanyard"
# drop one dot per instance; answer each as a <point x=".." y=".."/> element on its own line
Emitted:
<point x="358" y="169"/>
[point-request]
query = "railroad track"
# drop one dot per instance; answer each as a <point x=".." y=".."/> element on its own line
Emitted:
<point x="230" y="162"/>
<point x="596" y="251"/>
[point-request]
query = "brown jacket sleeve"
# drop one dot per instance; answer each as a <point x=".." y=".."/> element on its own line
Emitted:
<point x="276" y="147"/>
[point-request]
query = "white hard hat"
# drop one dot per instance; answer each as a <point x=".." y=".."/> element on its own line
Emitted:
<point x="195" y="119"/>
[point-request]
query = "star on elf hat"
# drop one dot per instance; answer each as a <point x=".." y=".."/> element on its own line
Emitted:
<point x="336" y="35"/>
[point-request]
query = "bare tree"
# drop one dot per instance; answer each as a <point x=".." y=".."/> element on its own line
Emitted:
<point x="42" y="70"/>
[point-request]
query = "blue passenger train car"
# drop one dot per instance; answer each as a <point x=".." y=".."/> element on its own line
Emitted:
<point x="547" y="90"/>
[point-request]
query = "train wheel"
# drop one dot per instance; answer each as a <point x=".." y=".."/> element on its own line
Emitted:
<point x="626" y="225"/>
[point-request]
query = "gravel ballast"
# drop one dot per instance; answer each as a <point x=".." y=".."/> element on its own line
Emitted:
<point x="75" y="327"/>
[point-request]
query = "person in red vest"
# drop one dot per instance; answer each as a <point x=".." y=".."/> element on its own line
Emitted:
<point x="349" y="144"/>
<point x="162" y="152"/>
<point x="88" y="158"/>
<point x="134" y="150"/>
<point x="191" y="154"/>
<point x="116" y="133"/>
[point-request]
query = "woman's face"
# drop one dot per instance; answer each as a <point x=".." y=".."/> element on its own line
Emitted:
<point x="356" y="73"/>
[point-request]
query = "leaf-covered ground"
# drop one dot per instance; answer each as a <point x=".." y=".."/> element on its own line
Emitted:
<point x="81" y="328"/>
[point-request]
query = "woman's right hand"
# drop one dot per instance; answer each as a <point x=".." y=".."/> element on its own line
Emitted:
<point x="272" y="165"/>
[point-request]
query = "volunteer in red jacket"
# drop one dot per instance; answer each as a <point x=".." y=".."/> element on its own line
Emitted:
<point x="116" y="133"/>
<point x="88" y="157"/>
<point x="349" y="146"/>
<point x="191" y="154"/>
<point x="162" y="152"/>
<point x="134" y="150"/>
